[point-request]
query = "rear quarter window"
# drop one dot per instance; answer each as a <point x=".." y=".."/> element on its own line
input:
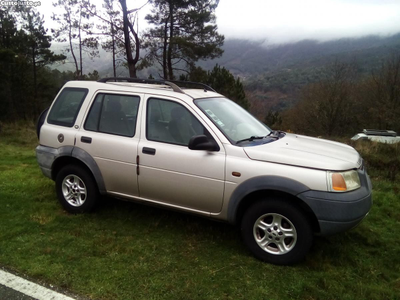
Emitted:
<point x="67" y="106"/>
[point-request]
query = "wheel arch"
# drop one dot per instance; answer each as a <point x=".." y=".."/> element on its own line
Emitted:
<point x="252" y="190"/>
<point x="79" y="157"/>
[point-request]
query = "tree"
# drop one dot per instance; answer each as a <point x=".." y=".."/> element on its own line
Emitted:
<point x="8" y="52"/>
<point x="273" y="119"/>
<point x="121" y="32"/>
<point x="222" y="81"/>
<point x="37" y="44"/>
<point x="326" y="107"/>
<point x="381" y="95"/>
<point x="128" y="26"/>
<point x="111" y="27"/>
<point x="26" y="84"/>
<point x="73" y="25"/>
<point x="182" y="32"/>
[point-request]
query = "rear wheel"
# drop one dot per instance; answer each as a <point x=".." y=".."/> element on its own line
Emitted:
<point x="76" y="189"/>
<point x="276" y="232"/>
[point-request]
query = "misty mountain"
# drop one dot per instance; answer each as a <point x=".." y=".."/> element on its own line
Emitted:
<point x="273" y="75"/>
<point x="246" y="58"/>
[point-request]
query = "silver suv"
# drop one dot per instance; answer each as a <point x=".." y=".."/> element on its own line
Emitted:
<point x="193" y="150"/>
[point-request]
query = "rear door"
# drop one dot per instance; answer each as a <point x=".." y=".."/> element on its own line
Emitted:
<point x="110" y="134"/>
<point x="171" y="173"/>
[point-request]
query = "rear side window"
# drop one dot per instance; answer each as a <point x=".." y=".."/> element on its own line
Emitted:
<point x="114" y="114"/>
<point x="66" y="108"/>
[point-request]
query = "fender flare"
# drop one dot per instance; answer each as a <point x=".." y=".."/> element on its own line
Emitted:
<point x="268" y="182"/>
<point x="86" y="159"/>
<point x="89" y="161"/>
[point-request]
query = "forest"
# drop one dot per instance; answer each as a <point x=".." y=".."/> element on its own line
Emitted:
<point x="334" y="88"/>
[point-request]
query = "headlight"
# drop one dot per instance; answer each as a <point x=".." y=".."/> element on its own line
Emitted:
<point x="343" y="181"/>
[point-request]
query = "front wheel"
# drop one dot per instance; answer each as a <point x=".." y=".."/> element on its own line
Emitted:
<point x="76" y="189"/>
<point x="276" y="232"/>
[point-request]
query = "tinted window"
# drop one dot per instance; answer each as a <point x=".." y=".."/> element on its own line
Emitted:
<point x="66" y="108"/>
<point x="170" y="122"/>
<point x="114" y="114"/>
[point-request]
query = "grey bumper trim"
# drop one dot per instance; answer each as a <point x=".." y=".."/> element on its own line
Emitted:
<point x="338" y="212"/>
<point x="46" y="156"/>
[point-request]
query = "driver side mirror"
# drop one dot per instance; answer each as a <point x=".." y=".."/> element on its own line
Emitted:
<point x="201" y="142"/>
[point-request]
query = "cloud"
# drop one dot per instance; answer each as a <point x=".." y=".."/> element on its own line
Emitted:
<point x="293" y="20"/>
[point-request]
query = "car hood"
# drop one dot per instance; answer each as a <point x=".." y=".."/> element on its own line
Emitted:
<point x="307" y="152"/>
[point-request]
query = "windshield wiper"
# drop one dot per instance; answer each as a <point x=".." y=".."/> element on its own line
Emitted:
<point x="275" y="134"/>
<point x="250" y="139"/>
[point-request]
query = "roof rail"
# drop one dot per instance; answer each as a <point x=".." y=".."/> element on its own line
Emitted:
<point x="192" y="83"/>
<point x="379" y="132"/>
<point x="174" y="87"/>
<point x="174" y="84"/>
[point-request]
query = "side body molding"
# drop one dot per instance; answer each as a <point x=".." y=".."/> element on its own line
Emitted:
<point x="273" y="183"/>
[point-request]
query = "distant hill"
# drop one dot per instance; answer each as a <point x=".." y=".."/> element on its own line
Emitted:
<point x="248" y="58"/>
<point x="274" y="74"/>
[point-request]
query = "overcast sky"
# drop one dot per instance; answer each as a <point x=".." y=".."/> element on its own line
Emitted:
<point x="281" y="21"/>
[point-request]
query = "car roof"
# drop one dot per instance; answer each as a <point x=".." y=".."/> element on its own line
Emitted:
<point x="145" y="88"/>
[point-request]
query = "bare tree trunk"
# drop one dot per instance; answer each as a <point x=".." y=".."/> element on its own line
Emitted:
<point x="113" y="49"/>
<point x="36" y="107"/>
<point x="70" y="45"/>
<point x="129" y="57"/>
<point x="164" y="65"/>
<point x="80" y="44"/>
<point x="171" y="35"/>
<point x="137" y="44"/>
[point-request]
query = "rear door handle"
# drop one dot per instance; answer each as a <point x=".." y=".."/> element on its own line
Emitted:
<point x="150" y="151"/>
<point x="86" y="139"/>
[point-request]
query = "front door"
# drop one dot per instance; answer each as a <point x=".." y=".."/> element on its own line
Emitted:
<point x="169" y="171"/>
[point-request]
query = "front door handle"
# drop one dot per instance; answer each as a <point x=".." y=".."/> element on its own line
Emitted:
<point x="150" y="151"/>
<point x="86" y="139"/>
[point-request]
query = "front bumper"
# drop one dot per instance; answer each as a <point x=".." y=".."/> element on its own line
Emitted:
<point x="337" y="212"/>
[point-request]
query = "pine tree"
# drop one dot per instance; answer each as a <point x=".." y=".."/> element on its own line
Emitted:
<point x="37" y="43"/>
<point x="221" y="80"/>
<point x="183" y="32"/>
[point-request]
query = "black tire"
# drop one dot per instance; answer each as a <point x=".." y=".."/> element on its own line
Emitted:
<point x="82" y="187"/>
<point x="268" y="213"/>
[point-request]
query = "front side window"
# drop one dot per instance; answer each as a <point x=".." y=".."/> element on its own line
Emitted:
<point x="113" y="114"/>
<point x="170" y="122"/>
<point x="66" y="108"/>
<point x="233" y="121"/>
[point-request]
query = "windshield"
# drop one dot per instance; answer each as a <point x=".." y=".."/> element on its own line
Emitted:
<point x="234" y="122"/>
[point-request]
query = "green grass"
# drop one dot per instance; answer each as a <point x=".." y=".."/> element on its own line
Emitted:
<point x="131" y="251"/>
